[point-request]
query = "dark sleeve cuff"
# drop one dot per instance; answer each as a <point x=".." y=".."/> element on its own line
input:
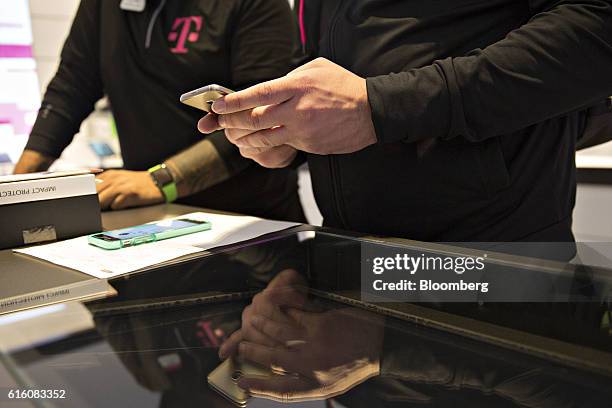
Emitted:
<point x="51" y="133"/>
<point x="410" y="106"/>
<point x="230" y="154"/>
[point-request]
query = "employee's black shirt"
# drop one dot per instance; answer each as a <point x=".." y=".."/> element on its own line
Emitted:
<point x="145" y="60"/>
<point x="477" y="105"/>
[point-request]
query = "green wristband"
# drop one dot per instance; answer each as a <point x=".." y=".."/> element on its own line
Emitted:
<point x="167" y="186"/>
<point x="170" y="192"/>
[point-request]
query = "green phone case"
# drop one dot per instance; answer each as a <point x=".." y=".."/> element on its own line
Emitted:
<point x="147" y="238"/>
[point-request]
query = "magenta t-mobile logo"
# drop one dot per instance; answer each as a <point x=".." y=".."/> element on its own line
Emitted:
<point x="182" y="32"/>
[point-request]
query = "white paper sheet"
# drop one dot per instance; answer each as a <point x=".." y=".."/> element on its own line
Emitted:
<point x="79" y="255"/>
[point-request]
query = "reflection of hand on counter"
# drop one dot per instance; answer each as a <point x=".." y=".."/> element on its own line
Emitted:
<point x="331" y="352"/>
<point x="283" y="291"/>
<point x="326" y="353"/>
<point x="121" y="189"/>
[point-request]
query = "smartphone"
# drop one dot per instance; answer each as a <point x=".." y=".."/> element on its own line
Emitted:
<point x="224" y="379"/>
<point x="142" y="234"/>
<point x="204" y="97"/>
<point x="101" y="149"/>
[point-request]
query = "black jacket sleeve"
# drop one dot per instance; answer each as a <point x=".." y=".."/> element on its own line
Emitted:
<point x="75" y="88"/>
<point x="556" y="63"/>
<point x="262" y="47"/>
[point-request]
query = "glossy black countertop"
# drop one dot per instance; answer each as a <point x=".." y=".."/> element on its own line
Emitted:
<point x="157" y="343"/>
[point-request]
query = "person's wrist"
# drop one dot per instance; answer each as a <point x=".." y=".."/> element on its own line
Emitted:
<point x="163" y="179"/>
<point x="182" y="184"/>
<point x="366" y="112"/>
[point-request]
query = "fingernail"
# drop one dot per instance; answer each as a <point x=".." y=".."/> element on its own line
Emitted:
<point x="219" y="106"/>
<point x="222" y="353"/>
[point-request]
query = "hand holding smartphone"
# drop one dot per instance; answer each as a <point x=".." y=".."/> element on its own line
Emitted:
<point x="203" y="98"/>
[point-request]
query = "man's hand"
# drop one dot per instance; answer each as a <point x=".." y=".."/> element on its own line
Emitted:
<point x="319" y="108"/>
<point x="122" y="189"/>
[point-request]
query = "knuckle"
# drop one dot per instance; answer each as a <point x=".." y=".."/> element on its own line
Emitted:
<point x="258" y="302"/>
<point x="307" y="84"/>
<point x="233" y="102"/>
<point x="268" y="328"/>
<point x="265" y="94"/>
<point x="245" y="349"/>
<point x="245" y="313"/>
<point x="268" y="163"/>
<point x="262" y="141"/>
<point x="273" y="159"/>
<point x="255" y="120"/>
<point x="230" y="134"/>
<point x="278" y="332"/>
<point x="248" y="332"/>
<point x="227" y="120"/>
<point x="236" y="337"/>
<point x="246" y="152"/>
<point x="306" y="114"/>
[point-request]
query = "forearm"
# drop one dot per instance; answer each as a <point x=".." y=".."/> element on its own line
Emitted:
<point x="32" y="161"/>
<point x="74" y="89"/>
<point x="558" y="62"/>
<point x="197" y="168"/>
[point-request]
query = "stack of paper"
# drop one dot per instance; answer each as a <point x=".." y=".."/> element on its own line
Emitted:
<point x="78" y="254"/>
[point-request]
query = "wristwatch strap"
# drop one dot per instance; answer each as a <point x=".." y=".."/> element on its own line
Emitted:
<point x="163" y="180"/>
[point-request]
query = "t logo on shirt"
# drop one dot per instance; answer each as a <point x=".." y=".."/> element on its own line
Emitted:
<point x="182" y="32"/>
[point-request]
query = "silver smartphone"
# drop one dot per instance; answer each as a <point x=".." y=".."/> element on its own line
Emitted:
<point x="224" y="379"/>
<point x="203" y="98"/>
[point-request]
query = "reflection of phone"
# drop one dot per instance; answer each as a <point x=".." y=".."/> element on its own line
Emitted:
<point x="224" y="379"/>
<point x="147" y="233"/>
<point x="204" y="97"/>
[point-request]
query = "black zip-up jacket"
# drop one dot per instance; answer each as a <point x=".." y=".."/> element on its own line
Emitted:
<point x="143" y="61"/>
<point x="477" y="105"/>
